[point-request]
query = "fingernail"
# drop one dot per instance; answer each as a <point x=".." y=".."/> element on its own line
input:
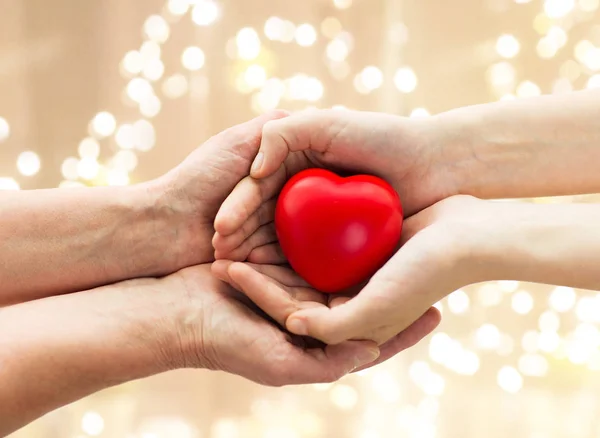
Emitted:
<point x="258" y="161"/>
<point x="297" y="326"/>
<point x="366" y="356"/>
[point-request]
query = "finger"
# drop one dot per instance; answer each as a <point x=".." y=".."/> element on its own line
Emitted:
<point x="414" y="224"/>
<point x="263" y="236"/>
<point x="245" y="200"/>
<point x="335" y="301"/>
<point x="409" y="337"/>
<point x="357" y="318"/>
<point x="321" y="365"/>
<point x="266" y="293"/>
<point x="271" y="254"/>
<point x="294" y="285"/>
<point x="279" y="139"/>
<point x="220" y="269"/>
<point x="242" y="140"/>
<point x="283" y="275"/>
<point x="396" y="296"/>
<point x="262" y="216"/>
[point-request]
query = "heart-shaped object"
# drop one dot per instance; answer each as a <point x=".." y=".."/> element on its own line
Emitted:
<point x="337" y="232"/>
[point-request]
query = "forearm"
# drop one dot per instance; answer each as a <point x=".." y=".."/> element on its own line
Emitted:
<point x="63" y="240"/>
<point x="555" y="244"/>
<point x="545" y="146"/>
<point x="57" y="350"/>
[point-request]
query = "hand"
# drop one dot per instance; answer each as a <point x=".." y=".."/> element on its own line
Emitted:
<point x="59" y="349"/>
<point x="192" y="193"/>
<point x="280" y="292"/>
<point x="444" y="247"/>
<point x="405" y="152"/>
<point x="217" y="330"/>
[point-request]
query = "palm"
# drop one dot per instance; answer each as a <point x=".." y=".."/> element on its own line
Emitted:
<point x="277" y="290"/>
<point x="434" y="260"/>
<point x="280" y="292"/>
<point x="231" y="334"/>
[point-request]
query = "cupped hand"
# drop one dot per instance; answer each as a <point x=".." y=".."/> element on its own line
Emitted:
<point x="405" y="152"/>
<point x="281" y="293"/>
<point x="444" y="248"/>
<point x="192" y="193"/>
<point x="220" y="329"/>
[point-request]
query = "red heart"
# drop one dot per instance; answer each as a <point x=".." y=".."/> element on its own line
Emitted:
<point x="337" y="232"/>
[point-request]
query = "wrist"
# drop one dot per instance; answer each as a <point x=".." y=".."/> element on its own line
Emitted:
<point x="546" y="243"/>
<point x="477" y="240"/>
<point x="163" y="231"/>
<point x="525" y="242"/>
<point x="456" y="139"/>
<point x="184" y="308"/>
<point x="445" y="144"/>
<point x="185" y="234"/>
<point x="489" y="242"/>
<point x="431" y="175"/>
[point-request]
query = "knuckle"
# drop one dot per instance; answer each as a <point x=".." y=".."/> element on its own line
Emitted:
<point x="262" y="214"/>
<point x="247" y="229"/>
<point x="246" y="211"/>
<point x="271" y="128"/>
<point x="265" y="188"/>
<point x="276" y="114"/>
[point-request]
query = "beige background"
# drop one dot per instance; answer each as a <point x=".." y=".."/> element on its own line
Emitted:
<point x="61" y="63"/>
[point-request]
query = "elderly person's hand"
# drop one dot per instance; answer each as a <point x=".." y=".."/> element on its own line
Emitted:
<point x="56" y="350"/>
<point x="64" y="240"/>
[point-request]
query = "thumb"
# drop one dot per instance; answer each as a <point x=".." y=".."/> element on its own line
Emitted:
<point x="242" y="140"/>
<point x="291" y="134"/>
<point x="356" y="319"/>
<point x="391" y="301"/>
<point x="226" y="157"/>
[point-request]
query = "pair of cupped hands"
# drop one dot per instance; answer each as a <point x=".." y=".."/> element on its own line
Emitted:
<point x="394" y="309"/>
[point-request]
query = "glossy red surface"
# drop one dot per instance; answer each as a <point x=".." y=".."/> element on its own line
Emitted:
<point x="337" y="232"/>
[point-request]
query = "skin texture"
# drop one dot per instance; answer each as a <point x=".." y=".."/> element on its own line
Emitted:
<point x="280" y="292"/>
<point x="56" y="350"/>
<point x="58" y="241"/>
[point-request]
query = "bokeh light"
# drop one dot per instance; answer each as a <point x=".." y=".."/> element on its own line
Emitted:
<point x="28" y="163"/>
<point x="193" y="58"/>
<point x="205" y="12"/>
<point x="4" y="129"/>
<point x="405" y="79"/>
<point x="508" y="46"/>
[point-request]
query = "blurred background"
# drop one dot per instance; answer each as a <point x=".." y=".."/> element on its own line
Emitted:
<point x="112" y="92"/>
